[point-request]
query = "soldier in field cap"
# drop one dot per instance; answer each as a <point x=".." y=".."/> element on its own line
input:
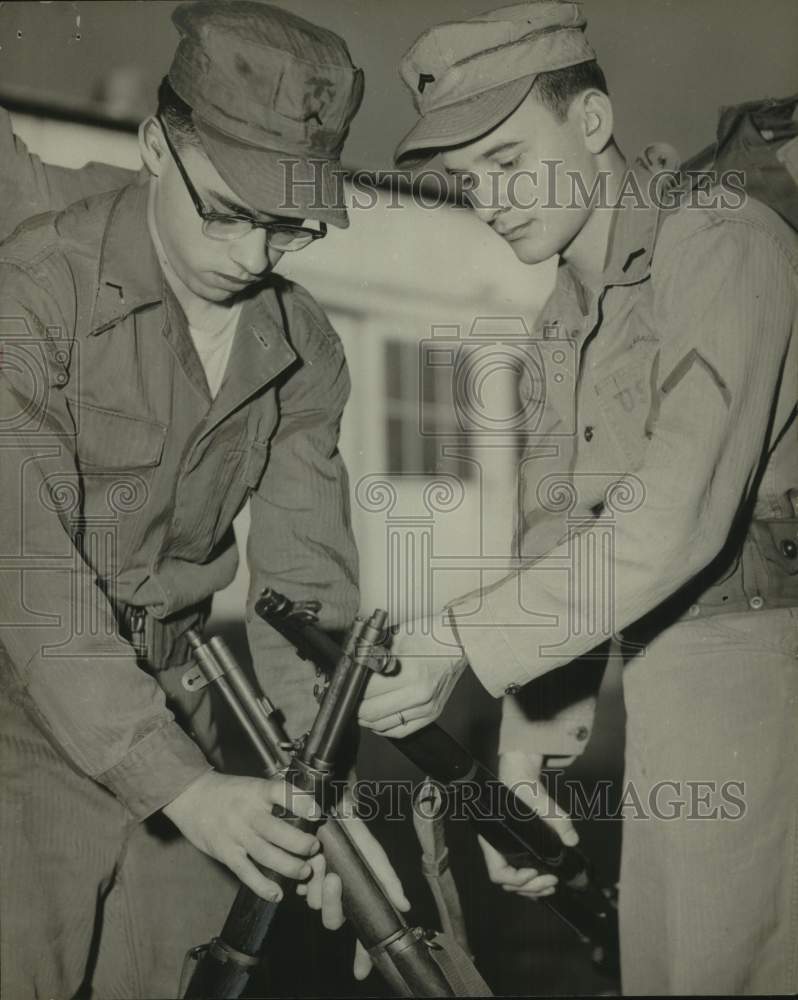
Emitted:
<point x="678" y="452"/>
<point x="271" y="97"/>
<point x="159" y="372"/>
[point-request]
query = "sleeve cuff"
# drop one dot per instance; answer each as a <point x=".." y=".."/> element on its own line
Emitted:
<point x="155" y="770"/>
<point x="486" y="646"/>
<point x="565" y="736"/>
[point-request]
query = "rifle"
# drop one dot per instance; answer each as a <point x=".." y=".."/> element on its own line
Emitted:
<point x="506" y="822"/>
<point x="413" y="963"/>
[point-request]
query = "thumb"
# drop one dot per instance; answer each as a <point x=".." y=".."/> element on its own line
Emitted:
<point x="362" y="966"/>
<point x="532" y="794"/>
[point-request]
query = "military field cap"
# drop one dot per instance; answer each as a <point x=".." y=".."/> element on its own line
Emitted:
<point x="266" y="86"/>
<point x="468" y="76"/>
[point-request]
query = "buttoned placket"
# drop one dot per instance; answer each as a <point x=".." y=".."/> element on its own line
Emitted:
<point x="256" y="360"/>
<point x="631" y="268"/>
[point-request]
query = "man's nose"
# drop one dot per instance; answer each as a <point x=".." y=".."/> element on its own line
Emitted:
<point x="251" y="253"/>
<point x="490" y="213"/>
<point x="488" y="197"/>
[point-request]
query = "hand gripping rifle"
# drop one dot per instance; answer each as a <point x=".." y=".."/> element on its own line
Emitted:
<point x="413" y="963"/>
<point x="506" y="822"/>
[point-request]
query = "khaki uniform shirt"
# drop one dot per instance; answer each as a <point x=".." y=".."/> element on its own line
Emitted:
<point x="673" y="427"/>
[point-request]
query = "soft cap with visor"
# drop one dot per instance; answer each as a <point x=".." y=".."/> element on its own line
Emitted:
<point x="468" y="76"/>
<point x="272" y="99"/>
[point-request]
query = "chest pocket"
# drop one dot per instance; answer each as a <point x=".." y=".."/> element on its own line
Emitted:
<point x="106" y="439"/>
<point x="625" y="400"/>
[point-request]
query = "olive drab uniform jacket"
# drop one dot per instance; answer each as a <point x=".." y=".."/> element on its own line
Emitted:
<point x="121" y="478"/>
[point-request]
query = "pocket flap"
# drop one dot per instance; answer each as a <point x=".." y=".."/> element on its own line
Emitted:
<point x="106" y="439"/>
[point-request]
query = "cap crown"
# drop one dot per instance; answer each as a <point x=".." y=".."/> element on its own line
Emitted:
<point x="455" y="61"/>
<point x="265" y="77"/>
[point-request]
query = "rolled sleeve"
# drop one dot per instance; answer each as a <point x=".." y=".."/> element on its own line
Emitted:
<point x="155" y="770"/>
<point x="724" y="307"/>
<point x="553" y="715"/>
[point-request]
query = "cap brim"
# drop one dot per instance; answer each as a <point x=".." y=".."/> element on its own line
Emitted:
<point x="278" y="183"/>
<point x="460" y="123"/>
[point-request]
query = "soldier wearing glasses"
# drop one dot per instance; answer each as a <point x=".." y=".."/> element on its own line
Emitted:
<point x="156" y="375"/>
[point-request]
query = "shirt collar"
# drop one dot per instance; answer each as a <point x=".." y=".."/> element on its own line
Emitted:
<point x="129" y="276"/>
<point x="635" y="222"/>
<point x="634" y="227"/>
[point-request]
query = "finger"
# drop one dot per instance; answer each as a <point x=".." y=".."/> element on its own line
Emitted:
<point x="534" y="884"/>
<point x="514" y="879"/>
<point x="517" y="877"/>
<point x="246" y="872"/>
<point x="282" y="834"/>
<point x="549" y="810"/>
<point x="404" y="698"/>
<point x="373" y="852"/>
<point x="332" y="910"/>
<point x="278" y="860"/>
<point x="293" y="800"/>
<point x="494" y="861"/>
<point x="314" y="886"/>
<point x="497" y="865"/>
<point x="403" y="723"/>
<point x="362" y="966"/>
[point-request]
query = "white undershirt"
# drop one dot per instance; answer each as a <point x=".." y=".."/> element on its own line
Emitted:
<point x="213" y="347"/>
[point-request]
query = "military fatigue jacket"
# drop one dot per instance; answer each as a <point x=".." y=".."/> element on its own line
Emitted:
<point x="674" y="427"/>
<point x="121" y="477"/>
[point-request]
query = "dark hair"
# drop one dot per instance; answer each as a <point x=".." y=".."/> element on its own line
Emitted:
<point x="177" y="115"/>
<point x="557" y="88"/>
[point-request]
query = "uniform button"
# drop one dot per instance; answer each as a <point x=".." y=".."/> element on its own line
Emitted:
<point x="756" y="602"/>
<point x="512" y="689"/>
<point x="789" y="548"/>
<point x="694" y="611"/>
<point x="582" y="733"/>
<point x="588" y="433"/>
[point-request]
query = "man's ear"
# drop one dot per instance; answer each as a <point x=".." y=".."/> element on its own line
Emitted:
<point x="152" y="145"/>
<point x="594" y="111"/>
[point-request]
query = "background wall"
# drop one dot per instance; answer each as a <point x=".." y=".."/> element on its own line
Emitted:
<point x="670" y="63"/>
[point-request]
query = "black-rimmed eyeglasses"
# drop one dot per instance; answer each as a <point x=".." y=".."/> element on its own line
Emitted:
<point x="218" y="226"/>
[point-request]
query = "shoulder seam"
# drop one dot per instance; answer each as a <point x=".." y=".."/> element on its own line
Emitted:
<point x="326" y="330"/>
<point x="52" y="301"/>
<point x="790" y="254"/>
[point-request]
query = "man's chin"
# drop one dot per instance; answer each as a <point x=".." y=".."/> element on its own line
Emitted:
<point x="217" y="292"/>
<point x="530" y="251"/>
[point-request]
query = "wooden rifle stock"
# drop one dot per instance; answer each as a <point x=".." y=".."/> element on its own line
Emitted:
<point x="506" y="822"/>
<point x="401" y="953"/>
